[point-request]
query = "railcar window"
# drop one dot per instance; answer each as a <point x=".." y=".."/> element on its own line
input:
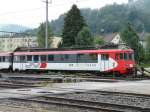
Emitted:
<point x="121" y="56"/>
<point x="7" y="59"/>
<point x="16" y="58"/>
<point x="81" y="58"/>
<point x="43" y="58"/>
<point x="62" y="57"/>
<point x="29" y="58"/>
<point x="36" y="58"/>
<point x="50" y="57"/>
<point x="23" y="58"/>
<point x="3" y="58"/>
<point x="66" y="56"/>
<point x="87" y="58"/>
<point x="104" y="57"/>
<point x="57" y="58"/>
<point x="93" y="57"/>
<point x="125" y="56"/>
<point x="117" y="56"/>
<point x="130" y="56"/>
<point x="72" y="58"/>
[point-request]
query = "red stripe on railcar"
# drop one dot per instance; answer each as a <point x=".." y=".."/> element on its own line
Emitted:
<point x="70" y="52"/>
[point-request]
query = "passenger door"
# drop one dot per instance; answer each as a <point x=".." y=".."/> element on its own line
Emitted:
<point x="29" y="62"/>
<point x="43" y="60"/>
<point x="104" y="62"/>
<point x="22" y="62"/>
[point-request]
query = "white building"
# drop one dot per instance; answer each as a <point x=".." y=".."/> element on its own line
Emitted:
<point x="116" y="38"/>
<point x="8" y="44"/>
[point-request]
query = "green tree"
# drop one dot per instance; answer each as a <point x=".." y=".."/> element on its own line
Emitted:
<point x="130" y="37"/>
<point x="1" y="46"/>
<point x="73" y="23"/>
<point x="98" y="40"/>
<point x="84" y="37"/>
<point x="41" y="35"/>
<point x="148" y="49"/>
<point x="148" y="44"/>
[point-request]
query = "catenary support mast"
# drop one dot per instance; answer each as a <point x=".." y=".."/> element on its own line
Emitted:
<point x="46" y="26"/>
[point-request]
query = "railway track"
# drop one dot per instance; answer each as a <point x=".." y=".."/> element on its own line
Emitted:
<point x="94" y="100"/>
<point x="66" y="104"/>
<point x="128" y="99"/>
<point x="15" y="86"/>
<point x="10" y="84"/>
<point x="119" y="93"/>
<point x="83" y="104"/>
<point x="28" y="78"/>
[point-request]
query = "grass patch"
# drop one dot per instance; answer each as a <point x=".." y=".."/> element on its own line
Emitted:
<point x="145" y="65"/>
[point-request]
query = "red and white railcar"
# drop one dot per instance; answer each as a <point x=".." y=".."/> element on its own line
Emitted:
<point x="5" y="61"/>
<point x="100" y="60"/>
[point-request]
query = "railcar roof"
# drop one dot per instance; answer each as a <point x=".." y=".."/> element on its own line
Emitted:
<point x="5" y="53"/>
<point x="35" y="49"/>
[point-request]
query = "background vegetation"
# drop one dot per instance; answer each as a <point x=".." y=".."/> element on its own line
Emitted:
<point x="112" y="18"/>
<point x="84" y="28"/>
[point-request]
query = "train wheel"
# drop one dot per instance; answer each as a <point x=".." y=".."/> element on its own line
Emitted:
<point x="117" y="74"/>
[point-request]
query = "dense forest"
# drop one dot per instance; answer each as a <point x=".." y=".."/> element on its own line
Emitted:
<point x="112" y="18"/>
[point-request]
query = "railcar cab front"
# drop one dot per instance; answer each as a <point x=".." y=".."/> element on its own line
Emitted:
<point x="125" y="61"/>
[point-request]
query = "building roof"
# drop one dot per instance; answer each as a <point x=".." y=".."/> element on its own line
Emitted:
<point x="109" y="37"/>
<point x="143" y="36"/>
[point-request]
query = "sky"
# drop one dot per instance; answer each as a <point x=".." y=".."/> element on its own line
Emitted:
<point x="31" y="13"/>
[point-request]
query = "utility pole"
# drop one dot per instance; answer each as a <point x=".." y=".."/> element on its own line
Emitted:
<point x="46" y="28"/>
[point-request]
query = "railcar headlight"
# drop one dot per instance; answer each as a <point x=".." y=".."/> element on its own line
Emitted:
<point x="127" y="65"/>
<point x="131" y="65"/>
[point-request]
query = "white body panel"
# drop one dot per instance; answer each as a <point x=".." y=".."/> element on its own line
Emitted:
<point x="102" y="65"/>
<point x="106" y="65"/>
<point x="4" y="65"/>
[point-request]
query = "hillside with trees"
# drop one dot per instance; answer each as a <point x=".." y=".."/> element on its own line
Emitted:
<point x="113" y="18"/>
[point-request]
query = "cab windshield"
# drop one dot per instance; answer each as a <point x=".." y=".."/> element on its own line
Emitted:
<point x="128" y="56"/>
<point x="124" y="56"/>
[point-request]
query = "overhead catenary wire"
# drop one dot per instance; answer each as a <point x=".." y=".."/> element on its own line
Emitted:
<point x="21" y="16"/>
<point x="38" y="8"/>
